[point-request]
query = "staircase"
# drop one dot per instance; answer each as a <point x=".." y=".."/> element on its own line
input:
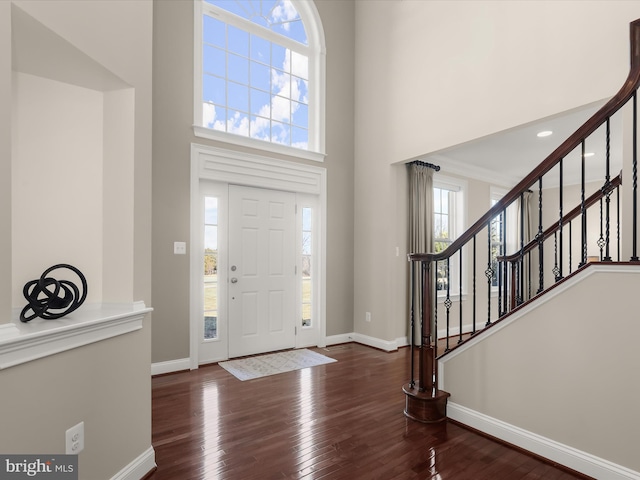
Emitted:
<point x="527" y="354"/>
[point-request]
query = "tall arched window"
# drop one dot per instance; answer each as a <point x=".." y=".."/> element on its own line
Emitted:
<point x="260" y="75"/>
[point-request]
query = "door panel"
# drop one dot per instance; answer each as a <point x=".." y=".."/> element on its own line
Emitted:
<point x="262" y="257"/>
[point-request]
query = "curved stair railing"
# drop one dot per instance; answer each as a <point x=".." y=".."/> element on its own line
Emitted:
<point x="515" y="272"/>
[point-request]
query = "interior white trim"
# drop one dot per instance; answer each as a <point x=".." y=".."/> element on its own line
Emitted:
<point x="563" y="454"/>
<point x="338" y="339"/>
<point x="241" y="141"/>
<point x="231" y="167"/>
<point x="8" y="330"/>
<point x="139" y="467"/>
<point x="91" y="323"/>
<point x="386" y="345"/>
<point x="473" y="171"/>
<point x="170" y="366"/>
<point x="239" y="168"/>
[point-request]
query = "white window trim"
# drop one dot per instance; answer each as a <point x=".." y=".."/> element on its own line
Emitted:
<point x="240" y="168"/>
<point x="317" y="82"/>
<point x="496" y="193"/>
<point x="460" y="186"/>
<point x="307" y="336"/>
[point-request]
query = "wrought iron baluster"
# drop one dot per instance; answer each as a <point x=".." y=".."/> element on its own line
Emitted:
<point x="570" y="248"/>
<point x="601" y="240"/>
<point x="529" y="269"/>
<point x="540" y="240"/>
<point x="473" y="330"/>
<point x="460" y="296"/>
<point x="501" y="311"/>
<point x="583" y="210"/>
<point x="503" y="251"/>
<point x="634" y="257"/>
<point x="489" y="274"/>
<point x="618" y="215"/>
<point x="607" y="183"/>
<point x="520" y="296"/>
<point x="556" y="269"/>
<point x="561" y="220"/>
<point x="447" y="302"/>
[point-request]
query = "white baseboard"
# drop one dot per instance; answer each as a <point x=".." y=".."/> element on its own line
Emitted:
<point x="139" y="467"/>
<point x="557" y="452"/>
<point x="338" y="339"/>
<point x="386" y="345"/>
<point x="170" y="366"/>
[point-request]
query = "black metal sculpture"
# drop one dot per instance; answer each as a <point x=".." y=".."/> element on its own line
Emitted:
<point x="47" y="293"/>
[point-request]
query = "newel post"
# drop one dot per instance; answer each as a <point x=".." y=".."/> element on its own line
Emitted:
<point x="424" y="402"/>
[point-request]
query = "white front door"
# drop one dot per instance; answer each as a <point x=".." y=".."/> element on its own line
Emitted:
<point x="261" y="270"/>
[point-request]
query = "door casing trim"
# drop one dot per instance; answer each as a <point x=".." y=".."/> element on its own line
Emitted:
<point x="228" y="166"/>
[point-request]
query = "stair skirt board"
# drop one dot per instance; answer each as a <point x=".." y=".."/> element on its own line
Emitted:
<point x="564" y="455"/>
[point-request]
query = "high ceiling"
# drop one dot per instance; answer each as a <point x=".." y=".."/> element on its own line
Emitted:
<point x="506" y="157"/>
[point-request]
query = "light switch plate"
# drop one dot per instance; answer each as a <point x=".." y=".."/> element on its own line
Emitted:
<point x="180" y="248"/>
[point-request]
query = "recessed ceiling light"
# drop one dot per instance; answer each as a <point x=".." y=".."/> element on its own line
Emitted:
<point x="545" y="133"/>
<point x="589" y="154"/>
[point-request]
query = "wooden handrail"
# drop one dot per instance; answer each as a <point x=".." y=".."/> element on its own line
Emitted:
<point x="589" y="202"/>
<point x="631" y="84"/>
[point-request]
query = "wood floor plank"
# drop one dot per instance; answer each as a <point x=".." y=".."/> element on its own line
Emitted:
<point x="342" y="420"/>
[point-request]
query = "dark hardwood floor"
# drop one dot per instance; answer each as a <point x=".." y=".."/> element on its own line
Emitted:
<point x="343" y="420"/>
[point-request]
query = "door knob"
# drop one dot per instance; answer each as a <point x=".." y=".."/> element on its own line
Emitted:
<point x="234" y="280"/>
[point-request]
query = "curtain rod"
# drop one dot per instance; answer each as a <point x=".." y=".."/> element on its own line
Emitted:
<point x="425" y="164"/>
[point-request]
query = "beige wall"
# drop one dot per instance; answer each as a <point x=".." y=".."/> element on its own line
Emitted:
<point x="57" y="163"/>
<point x="172" y="122"/>
<point x="431" y="75"/>
<point x="107" y="384"/>
<point x="533" y="384"/>
<point x="5" y="158"/>
<point x="443" y="73"/>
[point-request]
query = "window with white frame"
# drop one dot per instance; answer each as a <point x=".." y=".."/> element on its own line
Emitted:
<point x="502" y="234"/>
<point x="259" y="73"/>
<point x="448" y="223"/>
<point x="307" y="272"/>
<point x="496" y="236"/>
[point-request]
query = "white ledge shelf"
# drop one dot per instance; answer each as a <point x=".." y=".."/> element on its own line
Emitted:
<point x="24" y="342"/>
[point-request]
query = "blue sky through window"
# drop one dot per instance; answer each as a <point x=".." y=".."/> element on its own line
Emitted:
<point x="253" y="86"/>
<point x="277" y="15"/>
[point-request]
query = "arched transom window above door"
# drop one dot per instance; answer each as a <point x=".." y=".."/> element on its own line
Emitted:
<point x="260" y="75"/>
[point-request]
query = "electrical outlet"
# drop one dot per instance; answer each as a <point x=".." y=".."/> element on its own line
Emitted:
<point x="75" y="439"/>
<point x="367" y="317"/>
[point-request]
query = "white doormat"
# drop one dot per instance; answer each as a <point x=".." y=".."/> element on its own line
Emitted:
<point x="273" y="363"/>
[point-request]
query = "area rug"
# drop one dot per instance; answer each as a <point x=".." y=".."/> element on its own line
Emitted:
<point x="273" y="363"/>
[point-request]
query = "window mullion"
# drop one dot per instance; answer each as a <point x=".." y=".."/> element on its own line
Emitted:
<point x="254" y="28"/>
